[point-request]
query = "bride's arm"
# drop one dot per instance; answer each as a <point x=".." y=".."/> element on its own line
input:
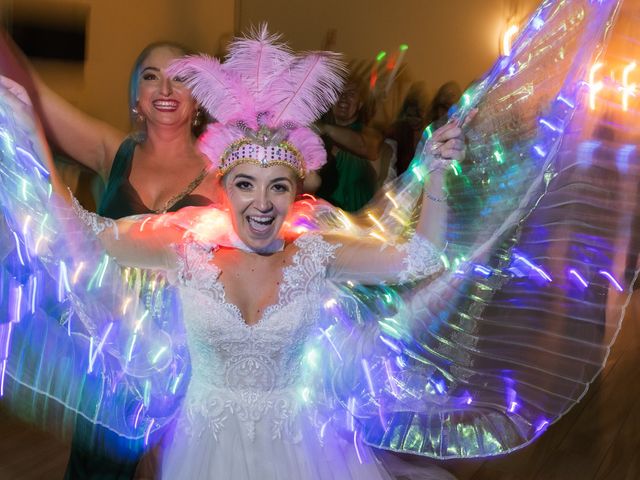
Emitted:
<point x="372" y="261"/>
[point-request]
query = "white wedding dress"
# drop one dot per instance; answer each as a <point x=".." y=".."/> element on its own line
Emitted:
<point x="243" y="416"/>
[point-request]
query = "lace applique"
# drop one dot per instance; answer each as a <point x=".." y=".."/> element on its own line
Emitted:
<point x="247" y="372"/>
<point x="95" y="222"/>
<point x="421" y="259"/>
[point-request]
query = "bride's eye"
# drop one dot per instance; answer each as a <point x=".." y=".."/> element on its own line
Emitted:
<point x="281" y="187"/>
<point x="243" y="185"/>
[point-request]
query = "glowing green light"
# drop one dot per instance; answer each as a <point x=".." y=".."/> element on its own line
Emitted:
<point x="417" y="172"/>
<point x="381" y="55"/>
<point x="445" y="261"/>
<point x="404" y="47"/>
<point x="466" y="100"/>
<point x="498" y="156"/>
<point x="428" y="131"/>
<point x="457" y="169"/>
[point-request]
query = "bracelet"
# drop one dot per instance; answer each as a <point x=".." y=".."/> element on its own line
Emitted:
<point x="436" y="199"/>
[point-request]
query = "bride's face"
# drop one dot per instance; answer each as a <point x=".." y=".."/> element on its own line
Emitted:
<point x="259" y="200"/>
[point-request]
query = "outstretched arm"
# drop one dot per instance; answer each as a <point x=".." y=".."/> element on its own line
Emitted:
<point x="373" y="261"/>
<point x="87" y="140"/>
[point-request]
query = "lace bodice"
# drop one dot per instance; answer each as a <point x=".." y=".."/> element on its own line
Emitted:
<point x="248" y="371"/>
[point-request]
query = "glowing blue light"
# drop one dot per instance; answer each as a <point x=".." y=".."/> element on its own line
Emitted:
<point x="537" y="23"/>
<point x="482" y="270"/>
<point x="568" y="103"/>
<point x="367" y="375"/>
<point x="534" y="267"/>
<point x="623" y="156"/>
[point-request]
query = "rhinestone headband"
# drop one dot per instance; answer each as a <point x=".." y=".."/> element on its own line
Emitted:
<point x="246" y="150"/>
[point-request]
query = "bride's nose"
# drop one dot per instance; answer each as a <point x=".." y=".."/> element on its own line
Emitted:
<point x="262" y="202"/>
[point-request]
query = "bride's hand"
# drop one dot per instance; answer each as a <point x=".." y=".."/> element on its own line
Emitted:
<point x="447" y="144"/>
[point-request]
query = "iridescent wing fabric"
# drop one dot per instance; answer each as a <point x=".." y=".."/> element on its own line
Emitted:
<point x="540" y="259"/>
<point x="80" y="336"/>
<point x="541" y="256"/>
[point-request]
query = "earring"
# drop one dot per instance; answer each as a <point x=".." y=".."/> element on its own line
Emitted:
<point x="197" y="119"/>
<point x="135" y="113"/>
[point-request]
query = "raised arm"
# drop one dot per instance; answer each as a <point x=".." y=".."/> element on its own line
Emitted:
<point x="366" y="143"/>
<point x="89" y="141"/>
<point x="370" y="260"/>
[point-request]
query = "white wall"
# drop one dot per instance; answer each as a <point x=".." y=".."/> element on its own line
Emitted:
<point x="448" y="39"/>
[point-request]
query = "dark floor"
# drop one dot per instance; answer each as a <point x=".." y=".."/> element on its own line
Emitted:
<point x="597" y="440"/>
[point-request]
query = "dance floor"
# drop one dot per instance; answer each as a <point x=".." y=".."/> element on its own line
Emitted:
<point x="597" y="440"/>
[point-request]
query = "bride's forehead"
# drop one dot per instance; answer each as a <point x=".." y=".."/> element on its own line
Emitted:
<point x="260" y="173"/>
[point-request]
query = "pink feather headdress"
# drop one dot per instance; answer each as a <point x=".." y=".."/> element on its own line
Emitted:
<point x="264" y="97"/>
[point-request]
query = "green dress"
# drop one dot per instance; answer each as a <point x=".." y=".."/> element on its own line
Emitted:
<point x="348" y="181"/>
<point x="94" y="450"/>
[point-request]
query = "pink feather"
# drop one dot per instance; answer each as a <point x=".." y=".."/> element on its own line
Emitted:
<point x="259" y="58"/>
<point x="309" y="89"/>
<point x="220" y="91"/>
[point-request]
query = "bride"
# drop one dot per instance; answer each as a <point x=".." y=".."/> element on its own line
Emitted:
<point x="309" y="334"/>
<point x="251" y="296"/>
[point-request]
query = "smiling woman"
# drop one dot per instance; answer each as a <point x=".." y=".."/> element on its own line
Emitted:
<point x="259" y="200"/>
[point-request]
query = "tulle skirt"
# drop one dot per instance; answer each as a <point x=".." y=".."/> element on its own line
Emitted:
<point x="196" y="450"/>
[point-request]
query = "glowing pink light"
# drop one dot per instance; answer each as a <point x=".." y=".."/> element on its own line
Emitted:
<point x="577" y="276"/>
<point x="137" y="417"/>
<point x="612" y="280"/>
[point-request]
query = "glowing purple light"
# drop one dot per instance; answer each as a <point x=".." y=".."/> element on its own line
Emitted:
<point x="549" y="125"/>
<point x="573" y="272"/>
<point x="534" y="267"/>
<point x="439" y="387"/>
<point x="540" y="151"/>
<point x="513" y="406"/>
<point x="537" y="23"/>
<point x="542" y="426"/>
<point x="612" y="280"/>
<point x="566" y="102"/>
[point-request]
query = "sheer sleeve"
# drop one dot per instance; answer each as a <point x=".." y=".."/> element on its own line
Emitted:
<point x="371" y="262"/>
